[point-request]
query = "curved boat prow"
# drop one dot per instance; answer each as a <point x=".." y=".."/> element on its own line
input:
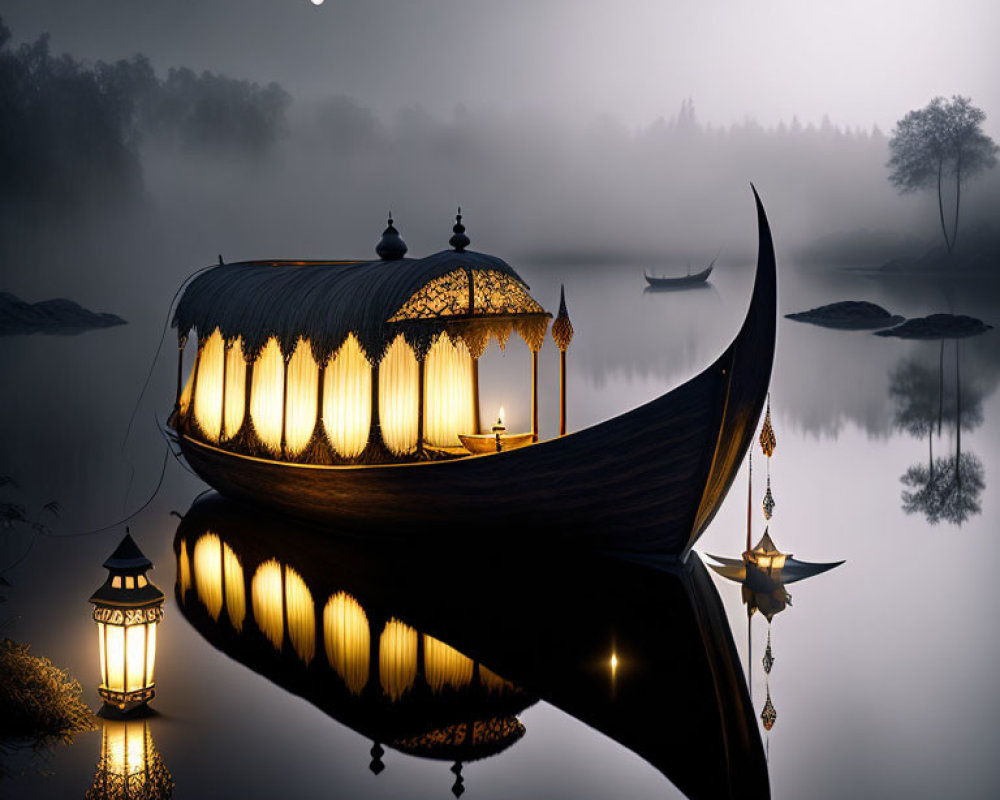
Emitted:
<point x="750" y="358"/>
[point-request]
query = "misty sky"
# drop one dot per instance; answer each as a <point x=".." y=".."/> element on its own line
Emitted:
<point x="858" y="61"/>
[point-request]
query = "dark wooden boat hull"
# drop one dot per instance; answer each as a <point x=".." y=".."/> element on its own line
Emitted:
<point x="684" y="280"/>
<point x="649" y="480"/>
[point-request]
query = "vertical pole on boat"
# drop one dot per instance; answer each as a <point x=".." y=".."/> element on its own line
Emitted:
<point x="477" y="421"/>
<point x="562" y="392"/>
<point x="562" y="335"/>
<point x="421" y="375"/>
<point x="477" y="427"/>
<point x="534" y="395"/>
<point x="284" y="406"/>
<point x="749" y="656"/>
<point x="181" y="344"/>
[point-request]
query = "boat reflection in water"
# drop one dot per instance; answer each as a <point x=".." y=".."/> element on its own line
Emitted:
<point x="130" y="767"/>
<point x="435" y="657"/>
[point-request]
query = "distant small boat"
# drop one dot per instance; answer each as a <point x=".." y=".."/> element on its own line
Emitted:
<point x="684" y="280"/>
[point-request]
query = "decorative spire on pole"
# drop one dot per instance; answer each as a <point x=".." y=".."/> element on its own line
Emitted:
<point x="459" y="240"/>
<point x="391" y="247"/>
<point x="562" y="335"/>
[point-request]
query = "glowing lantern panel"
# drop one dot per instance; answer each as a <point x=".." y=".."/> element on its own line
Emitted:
<point x="300" y="410"/>
<point x="208" y="394"/>
<point x="127" y="609"/>
<point x="398" y="396"/>
<point x="267" y="394"/>
<point x="448" y="397"/>
<point x="347" y="399"/>
<point x="235" y="399"/>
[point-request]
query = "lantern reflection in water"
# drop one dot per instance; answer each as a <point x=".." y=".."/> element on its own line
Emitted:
<point x="283" y="609"/>
<point x="130" y="767"/>
<point x="127" y="608"/>
<point x="217" y="576"/>
<point x="397" y="658"/>
<point x="274" y="594"/>
<point x="348" y="640"/>
<point x="445" y="666"/>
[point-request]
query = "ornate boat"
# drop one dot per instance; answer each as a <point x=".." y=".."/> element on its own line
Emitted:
<point x="681" y="281"/>
<point x="436" y="655"/>
<point x="651" y="479"/>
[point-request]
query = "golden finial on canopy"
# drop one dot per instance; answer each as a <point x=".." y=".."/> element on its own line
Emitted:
<point x="562" y="328"/>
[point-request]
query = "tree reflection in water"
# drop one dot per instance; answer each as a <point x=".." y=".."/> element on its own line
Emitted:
<point x="949" y="488"/>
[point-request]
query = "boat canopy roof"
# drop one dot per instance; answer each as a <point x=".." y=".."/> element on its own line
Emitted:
<point x="467" y="295"/>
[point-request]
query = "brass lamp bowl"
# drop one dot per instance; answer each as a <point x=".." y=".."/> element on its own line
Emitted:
<point x="481" y="443"/>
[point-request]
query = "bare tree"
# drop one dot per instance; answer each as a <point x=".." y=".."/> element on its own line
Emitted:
<point x="944" y="140"/>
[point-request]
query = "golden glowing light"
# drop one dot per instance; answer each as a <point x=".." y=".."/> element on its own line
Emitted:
<point x="300" y="409"/>
<point x="267" y="394"/>
<point x="130" y="765"/>
<point x="235" y="594"/>
<point x="398" y="395"/>
<point x="127" y="608"/>
<point x="614" y="662"/>
<point x="301" y="616"/>
<point x="347" y="399"/>
<point x="348" y="640"/>
<point x="445" y="666"/>
<point x="494" y="683"/>
<point x="235" y="401"/>
<point x="208" y="394"/>
<point x="208" y="572"/>
<point x="265" y="597"/>
<point x="397" y="658"/>
<point x="448" y="397"/>
<point x="185" y="569"/>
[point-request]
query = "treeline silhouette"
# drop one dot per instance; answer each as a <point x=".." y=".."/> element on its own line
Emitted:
<point x="237" y="163"/>
<point x="70" y="132"/>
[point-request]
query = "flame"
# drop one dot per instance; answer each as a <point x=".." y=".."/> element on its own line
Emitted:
<point x="500" y="416"/>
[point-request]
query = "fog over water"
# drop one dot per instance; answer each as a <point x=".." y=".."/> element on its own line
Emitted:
<point x="586" y="143"/>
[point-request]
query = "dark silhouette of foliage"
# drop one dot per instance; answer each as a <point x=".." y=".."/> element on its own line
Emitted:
<point x="64" y="135"/>
<point x="943" y="140"/>
<point x="40" y="704"/>
<point x="70" y="132"/>
<point x="214" y="112"/>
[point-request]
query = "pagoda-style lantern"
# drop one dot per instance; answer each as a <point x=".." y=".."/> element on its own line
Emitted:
<point x="127" y="608"/>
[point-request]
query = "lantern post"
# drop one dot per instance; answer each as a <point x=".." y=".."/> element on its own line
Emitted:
<point x="127" y="609"/>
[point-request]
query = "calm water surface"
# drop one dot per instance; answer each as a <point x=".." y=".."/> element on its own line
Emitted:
<point x="884" y="679"/>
